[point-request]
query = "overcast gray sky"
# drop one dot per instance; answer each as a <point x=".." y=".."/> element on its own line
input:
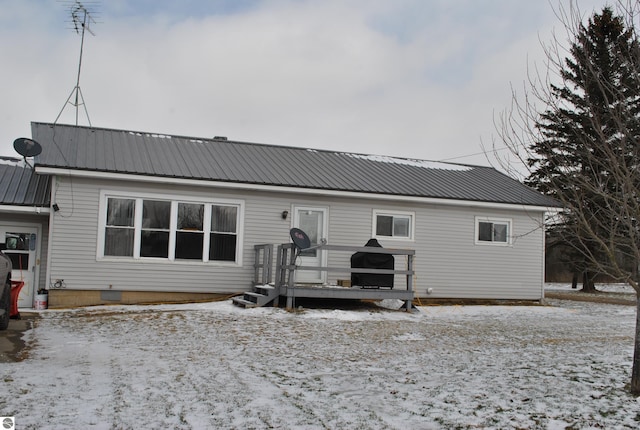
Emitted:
<point x="409" y="78"/>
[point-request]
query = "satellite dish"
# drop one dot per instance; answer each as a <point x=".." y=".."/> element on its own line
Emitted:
<point x="27" y="147"/>
<point x="300" y="238"/>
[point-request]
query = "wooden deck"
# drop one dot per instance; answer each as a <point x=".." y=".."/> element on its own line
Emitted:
<point x="337" y="292"/>
<point x="284" y="286"/>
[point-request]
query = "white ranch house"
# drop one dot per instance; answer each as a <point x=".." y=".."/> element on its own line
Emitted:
<point x="137" y="217"/>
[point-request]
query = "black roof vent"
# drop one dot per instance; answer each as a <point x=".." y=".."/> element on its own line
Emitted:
<point x="220" y="138"/>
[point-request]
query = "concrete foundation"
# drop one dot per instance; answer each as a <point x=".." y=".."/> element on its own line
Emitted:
<point x="59" y="299"/>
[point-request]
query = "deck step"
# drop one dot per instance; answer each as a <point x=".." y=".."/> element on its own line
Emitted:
<point x="260" y="295"/>
<point x="244" y="303"/>
<point x="257" y="298"/>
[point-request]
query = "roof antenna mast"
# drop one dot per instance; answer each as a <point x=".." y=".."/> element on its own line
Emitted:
<point x="81" y="20"/>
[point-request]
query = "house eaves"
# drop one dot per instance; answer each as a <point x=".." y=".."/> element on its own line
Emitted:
<point x="22" y="190"/>
<point x="291" y="190"/>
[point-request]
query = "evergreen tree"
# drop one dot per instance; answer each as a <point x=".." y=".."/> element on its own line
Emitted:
<point x="588" y="136"/>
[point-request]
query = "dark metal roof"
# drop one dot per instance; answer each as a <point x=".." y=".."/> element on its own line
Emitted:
<point x="137" y="153"/>
<point x="21" y="186"/>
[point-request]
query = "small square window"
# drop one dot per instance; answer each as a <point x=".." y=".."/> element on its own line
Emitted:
<point x="493" y="231"/>
<point x="393" y="225"/>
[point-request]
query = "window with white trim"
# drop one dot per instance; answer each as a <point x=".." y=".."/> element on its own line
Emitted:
<point x="155" y="229"/>
<point x="176" y="230"/>
<point x="223" y="232"/>
<point x="119" y="229"/>
<point x="493" y="231"/>
<point x="395" y="225"/>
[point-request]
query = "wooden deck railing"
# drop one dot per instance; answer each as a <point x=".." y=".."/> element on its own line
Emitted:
<point x="263" y="264"/>
<point x="286" y="268"/>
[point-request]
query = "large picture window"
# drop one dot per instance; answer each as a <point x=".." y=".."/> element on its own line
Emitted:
<point x="154" y="228"/>
<point x="493" y="231"/>
<point x="396" y="225"/>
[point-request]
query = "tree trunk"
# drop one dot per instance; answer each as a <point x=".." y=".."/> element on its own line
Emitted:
<point x="635" y="372"/>
<point x="574" y="280"/>
<point x="588" y="284"/>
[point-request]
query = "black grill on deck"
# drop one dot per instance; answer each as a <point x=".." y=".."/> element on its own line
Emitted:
<point x="367" y="260"/>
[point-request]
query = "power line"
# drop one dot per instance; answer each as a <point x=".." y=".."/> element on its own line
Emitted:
<point x="475" y="154"/>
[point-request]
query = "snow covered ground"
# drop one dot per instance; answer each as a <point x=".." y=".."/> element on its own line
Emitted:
<point x="605" y="288"/>
<point x="216" y="366"/>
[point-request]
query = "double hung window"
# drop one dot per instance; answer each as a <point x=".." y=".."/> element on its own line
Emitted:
<point x="156" y="228"/>
<point x="223" y="233"/>
<point x="190" y="231"/>
<point x="119" y="230"/>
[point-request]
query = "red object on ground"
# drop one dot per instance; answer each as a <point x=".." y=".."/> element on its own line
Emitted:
<point x="16" y="286"/>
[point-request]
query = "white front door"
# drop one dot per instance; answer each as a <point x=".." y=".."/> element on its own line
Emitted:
<point x="21" y="246"/>
<point x="312" y="221"/>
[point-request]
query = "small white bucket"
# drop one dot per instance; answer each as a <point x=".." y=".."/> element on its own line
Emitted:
<point x="41" y="301"/>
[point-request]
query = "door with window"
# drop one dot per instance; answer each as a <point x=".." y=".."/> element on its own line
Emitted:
<point x="20" y="246"/>
<point x="312" y="221"/>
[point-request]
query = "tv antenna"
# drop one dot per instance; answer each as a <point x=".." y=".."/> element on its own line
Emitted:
<point x="81" y="20"/>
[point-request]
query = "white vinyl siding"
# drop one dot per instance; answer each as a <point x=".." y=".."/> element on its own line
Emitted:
<point x="75" y="237"/>
<point x="447" y="257"/>
<point x="459" y="268"/>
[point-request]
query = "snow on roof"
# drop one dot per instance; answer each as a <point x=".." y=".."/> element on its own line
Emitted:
<point x="412" y="162"/>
